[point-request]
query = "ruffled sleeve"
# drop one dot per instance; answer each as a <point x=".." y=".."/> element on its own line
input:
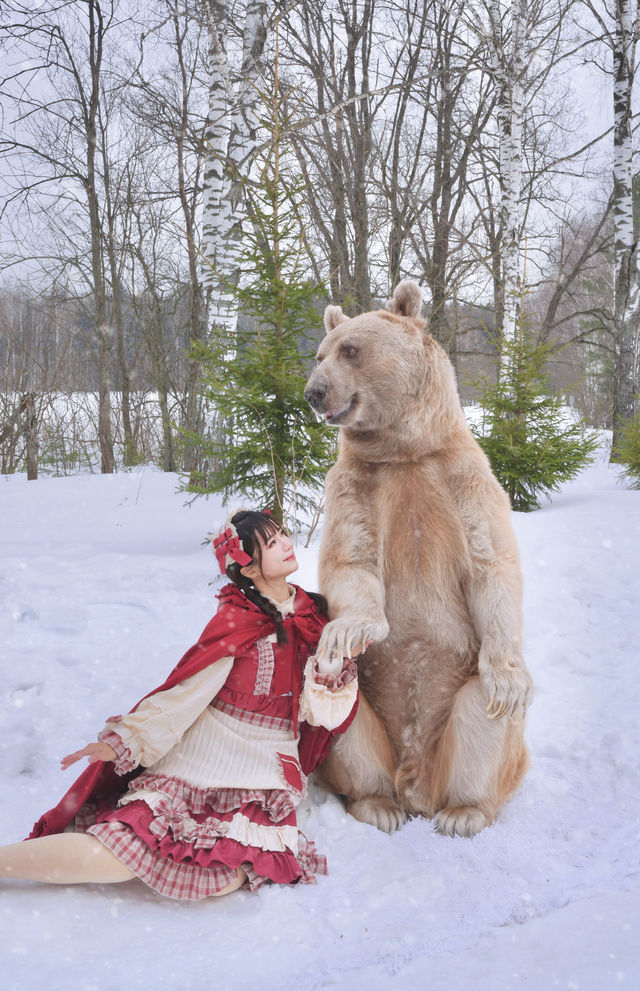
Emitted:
<point x="328" y="696"/>
<point x="124" y="761"/>
<point x="160" y="721"/>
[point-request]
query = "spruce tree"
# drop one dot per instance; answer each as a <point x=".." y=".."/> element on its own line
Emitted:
<point x="524" y="430"/>
<point x="627" y="451"/>
<point x="272" y="449"/>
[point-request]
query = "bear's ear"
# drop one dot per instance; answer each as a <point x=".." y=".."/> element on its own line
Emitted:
<point x="406" y="300"/>
<point x="333" y="315"/>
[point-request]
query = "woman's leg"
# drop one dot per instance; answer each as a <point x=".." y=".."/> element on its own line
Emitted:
<point x="242" y="877"/>
<point x="72" y="858"/>
<point x="64" y="858"/>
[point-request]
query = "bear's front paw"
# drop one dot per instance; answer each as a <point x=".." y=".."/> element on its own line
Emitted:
<point x="349" y="635"/>
<point x="507" y="687"/>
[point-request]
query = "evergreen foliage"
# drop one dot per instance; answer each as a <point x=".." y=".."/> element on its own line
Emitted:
<point x="524" y="432"/>
<point x="271" y="448"/>
<point x="627" y="451"/>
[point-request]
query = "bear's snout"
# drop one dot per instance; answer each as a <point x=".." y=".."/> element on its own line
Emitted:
<point x="315" y="394"/>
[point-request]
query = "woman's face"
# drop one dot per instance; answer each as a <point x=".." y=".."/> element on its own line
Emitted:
<point x="278" y="558"/>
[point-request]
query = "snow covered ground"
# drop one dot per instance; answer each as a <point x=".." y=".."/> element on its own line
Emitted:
<point x="103" y="585"/>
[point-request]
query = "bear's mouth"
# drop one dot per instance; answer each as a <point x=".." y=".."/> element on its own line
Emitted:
<point x="338" y="415"/>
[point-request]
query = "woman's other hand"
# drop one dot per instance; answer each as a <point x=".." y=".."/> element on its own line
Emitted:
<point x="94" y="751"/>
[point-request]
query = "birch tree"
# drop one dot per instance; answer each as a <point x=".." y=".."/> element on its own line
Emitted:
<point x="524" y="42"/>
<point x="626" y="277"/>
<point x="230" y="141"/>
<point x="508" y="65"/>
<point x="230" y="137"/>
<point x="619" y="28"/>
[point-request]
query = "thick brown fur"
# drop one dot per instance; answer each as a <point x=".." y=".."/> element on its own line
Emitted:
<point x="418" y="555"/>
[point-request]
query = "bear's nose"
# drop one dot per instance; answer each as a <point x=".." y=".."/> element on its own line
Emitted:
<point x="315" y="394"/>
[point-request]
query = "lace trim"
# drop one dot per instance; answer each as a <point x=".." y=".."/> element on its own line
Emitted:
<point x="278" y="804"/>
<point x="124" y="761"/>
<point x="287" y="606"/>
<point x="266" y="661"/>
<point x="334" y="682"/>
<point x="324" y="706"/>
<point x="174" y="815"/>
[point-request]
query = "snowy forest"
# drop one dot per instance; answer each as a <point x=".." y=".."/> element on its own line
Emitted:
<point x="484" y="149"/>
<point x="184" y="186"/>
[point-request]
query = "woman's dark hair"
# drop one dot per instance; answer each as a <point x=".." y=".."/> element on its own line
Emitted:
<point x="249" y="524"/>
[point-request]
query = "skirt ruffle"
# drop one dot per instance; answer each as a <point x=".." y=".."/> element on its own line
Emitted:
<point x="190" y="843"/>
<point x="277" y="803"/>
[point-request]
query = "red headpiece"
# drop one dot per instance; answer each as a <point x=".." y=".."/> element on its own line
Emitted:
<point x="227" y="545"/>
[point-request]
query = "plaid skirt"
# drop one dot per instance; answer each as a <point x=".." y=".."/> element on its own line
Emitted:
<point x="188" y="843"/>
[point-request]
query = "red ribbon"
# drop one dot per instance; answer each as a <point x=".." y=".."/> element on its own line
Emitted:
<point x="228" y="542"/>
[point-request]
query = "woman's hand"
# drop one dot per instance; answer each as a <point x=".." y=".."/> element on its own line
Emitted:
<point x="94" y="751"/>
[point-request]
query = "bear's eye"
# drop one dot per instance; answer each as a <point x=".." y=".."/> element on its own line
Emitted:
<point x="349" y="351"/>
<point x="318" y="359"/>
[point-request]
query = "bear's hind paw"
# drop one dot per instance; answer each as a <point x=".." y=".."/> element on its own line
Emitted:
<point x="378" y="811"/>
<point x="463" y="820"/>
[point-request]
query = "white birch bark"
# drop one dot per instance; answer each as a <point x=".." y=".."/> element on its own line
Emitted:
<point x="626" y="277"/>
<point x="232" y="128"/>
<point x="215" y="223"/>
<point x="508" y="60"/>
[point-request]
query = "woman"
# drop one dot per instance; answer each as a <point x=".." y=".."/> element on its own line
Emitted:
<point x="194" y="791"/>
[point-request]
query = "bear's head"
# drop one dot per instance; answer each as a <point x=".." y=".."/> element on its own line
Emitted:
<point x="370" y="367"/>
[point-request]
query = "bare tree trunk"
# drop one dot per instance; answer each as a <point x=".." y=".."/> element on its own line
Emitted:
<point x="30" y="434"/>
<point x="116" y="312"/>
<point x="166" y="105"/>
<point x="193" y="416"/>
<point x="153" y="334"/>
<point x="334" y="47"/>
<point x="103" y="329"/>
<point x="359" y="35"/>
<point x="626" y="280"/>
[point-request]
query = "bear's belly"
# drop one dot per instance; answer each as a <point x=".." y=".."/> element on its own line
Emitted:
<point x="412" y="687"/>
<point x="423" y="555"/>
<point x="432" y="645"/>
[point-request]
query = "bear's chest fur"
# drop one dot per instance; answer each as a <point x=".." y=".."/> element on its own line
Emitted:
<point x="425" y="563"/>
<point x="420" y="535"/>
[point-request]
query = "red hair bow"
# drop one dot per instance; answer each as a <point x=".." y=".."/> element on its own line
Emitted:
<point x="227" y="545"/>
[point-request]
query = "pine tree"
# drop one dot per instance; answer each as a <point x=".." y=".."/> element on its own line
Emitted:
<point x="627" y="451"/>
<point x="273" y="451"/>
<point x="524" y="432"/>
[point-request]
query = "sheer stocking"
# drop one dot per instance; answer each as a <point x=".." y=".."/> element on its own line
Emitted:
<point x="64" y="858"/>
<point x="71" y="858"/>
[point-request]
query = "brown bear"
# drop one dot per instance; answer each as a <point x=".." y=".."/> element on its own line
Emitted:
<point x="418" y="558"/>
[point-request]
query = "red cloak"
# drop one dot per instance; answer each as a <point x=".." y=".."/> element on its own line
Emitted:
<point x="237" y="624"/>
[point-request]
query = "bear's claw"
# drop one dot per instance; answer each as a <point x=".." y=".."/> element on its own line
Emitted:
<point x="506" y="687"/>
<point x="342" y="636"/>
<point x="378" y="811"/>
<point x="465" y="820"/>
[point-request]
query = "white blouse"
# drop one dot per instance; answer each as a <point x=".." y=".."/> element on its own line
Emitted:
<point x="181" y="733"/>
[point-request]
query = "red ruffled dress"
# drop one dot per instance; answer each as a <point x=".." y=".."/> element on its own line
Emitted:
<point x="221" y="764"/>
